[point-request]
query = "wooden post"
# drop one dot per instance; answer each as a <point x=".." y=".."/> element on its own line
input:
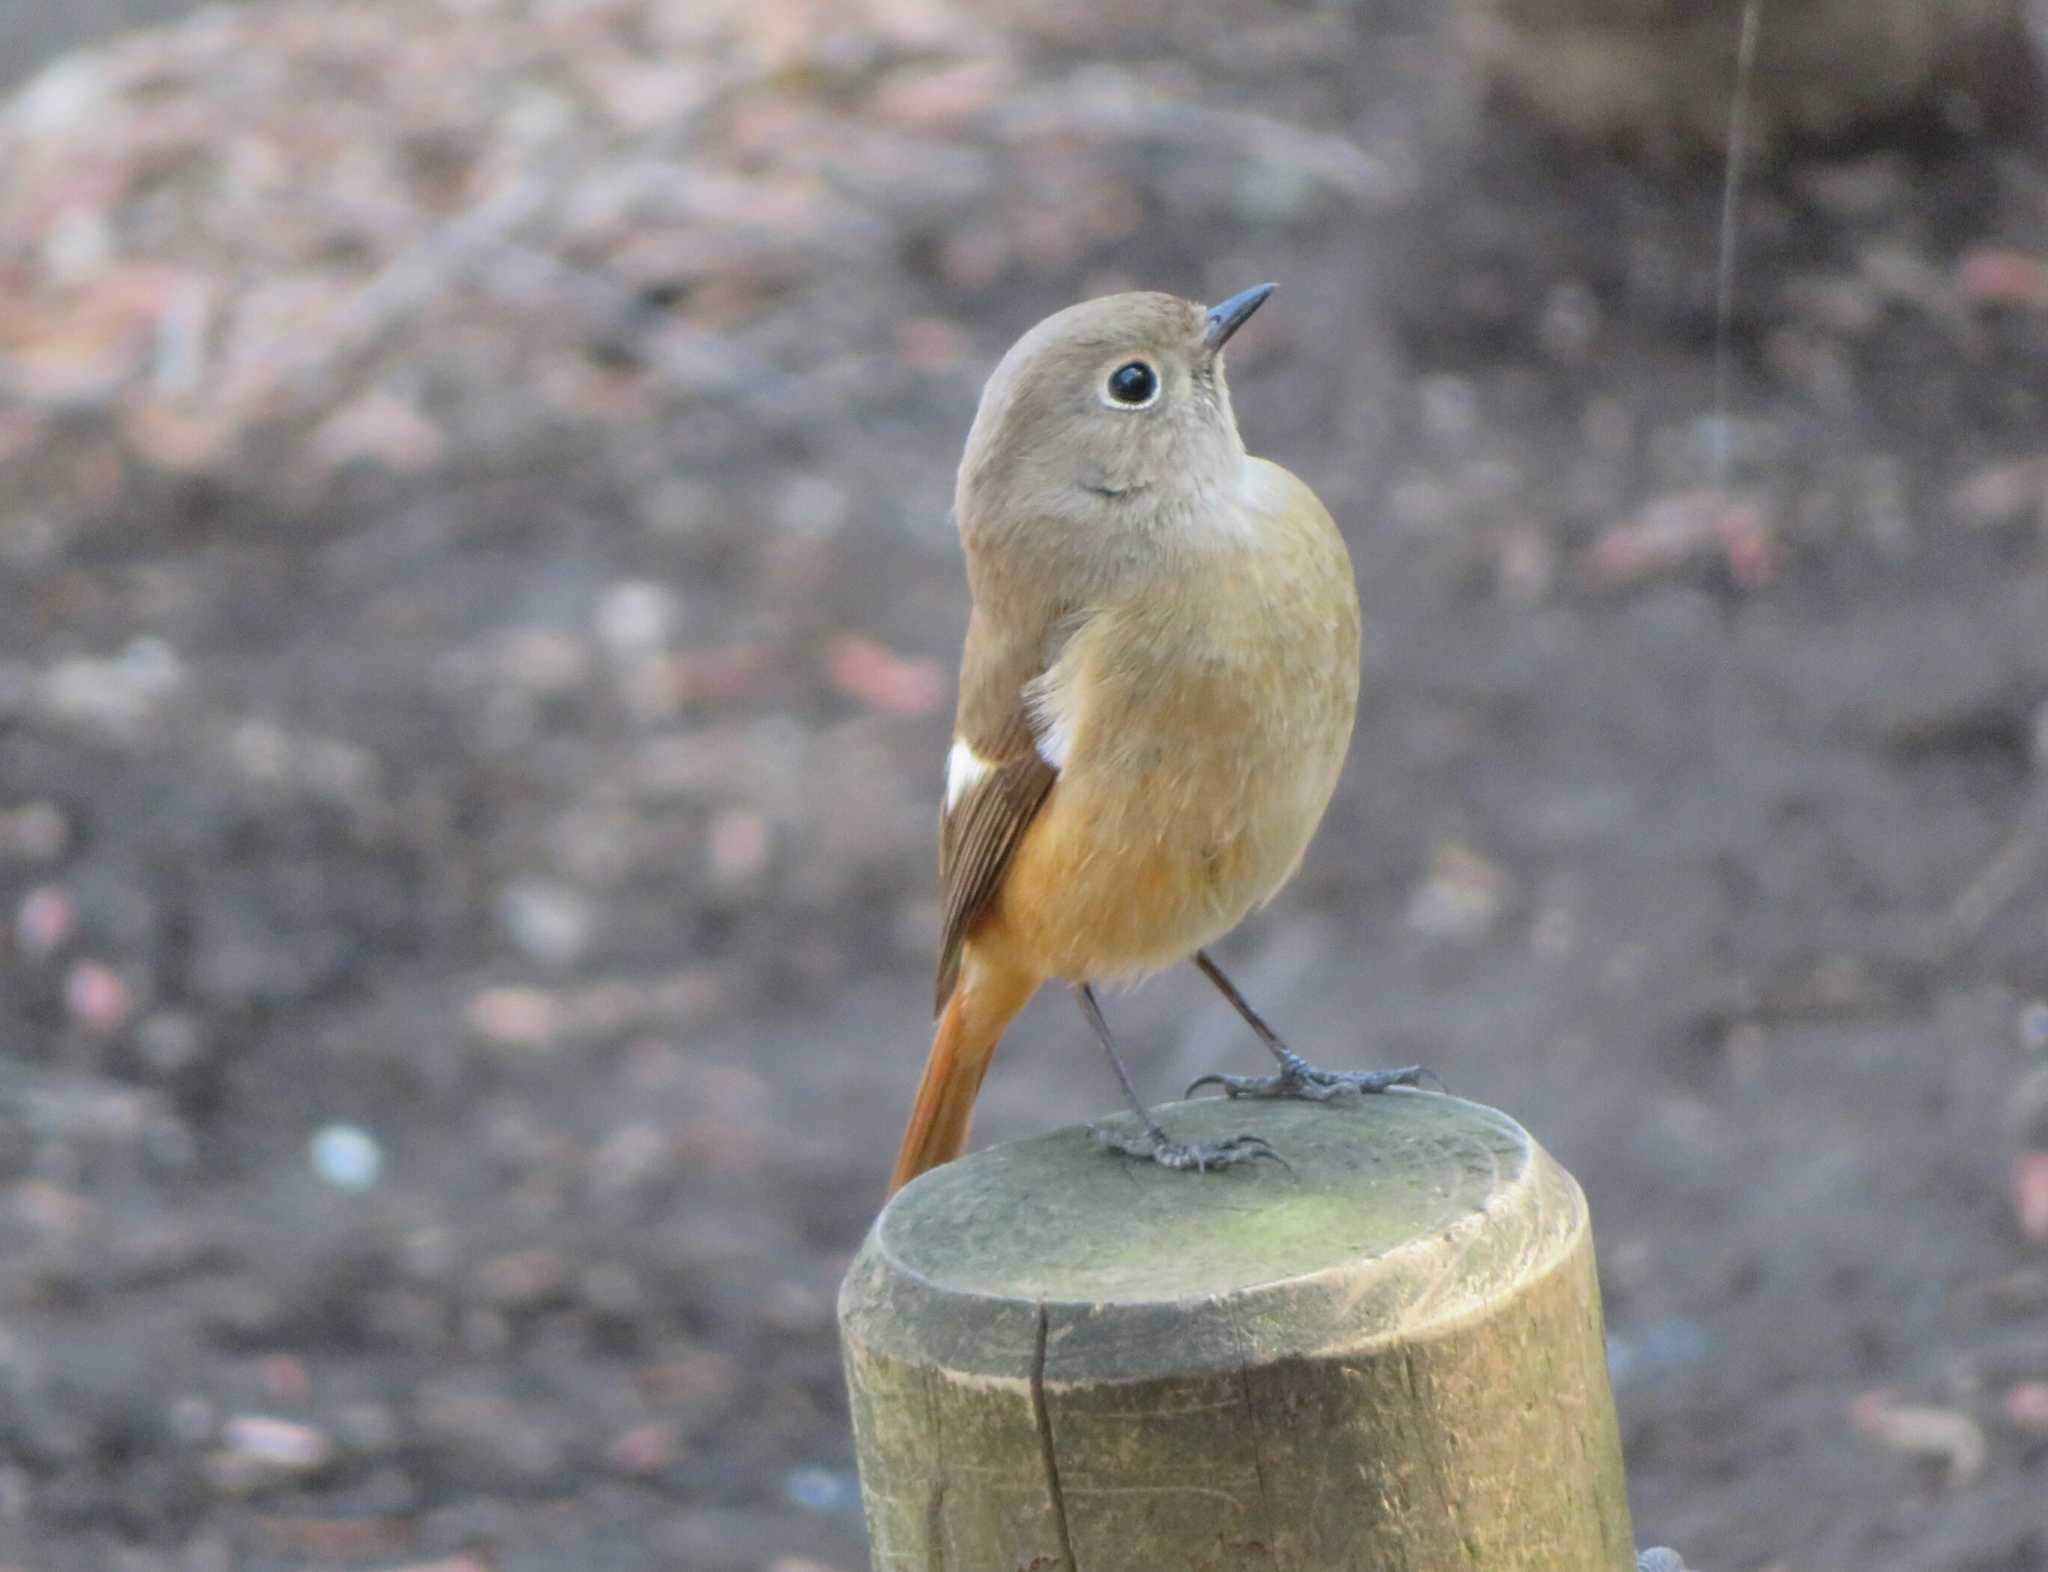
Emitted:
<point x="1384" y="1358"/>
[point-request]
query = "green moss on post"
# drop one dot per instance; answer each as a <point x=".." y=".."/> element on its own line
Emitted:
<point x="1387" y="1358"/>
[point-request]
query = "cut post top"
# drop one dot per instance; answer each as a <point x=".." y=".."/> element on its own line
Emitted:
<point x="1393" y="1216"/>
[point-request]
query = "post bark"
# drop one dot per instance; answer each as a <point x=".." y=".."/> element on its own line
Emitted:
<point x="1387" y="1355"/>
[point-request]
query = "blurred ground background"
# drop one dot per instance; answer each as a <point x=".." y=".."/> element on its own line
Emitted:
<point x="476" y="616"/>
<point x="32" y="32"/>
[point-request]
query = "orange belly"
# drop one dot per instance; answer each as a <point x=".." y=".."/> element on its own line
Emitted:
<point x="1081" y="901"/>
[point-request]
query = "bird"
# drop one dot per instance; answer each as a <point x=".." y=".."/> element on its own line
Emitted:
<point x="1157" y="691"/>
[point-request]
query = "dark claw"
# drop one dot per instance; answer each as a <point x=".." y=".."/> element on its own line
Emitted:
<point x="1297" y="1078"/>
<point x="1155" y="1145"/>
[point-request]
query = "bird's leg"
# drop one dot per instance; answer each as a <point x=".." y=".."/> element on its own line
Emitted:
<point x="1154" y="1144"/>
<point x="1296" y="1077"/>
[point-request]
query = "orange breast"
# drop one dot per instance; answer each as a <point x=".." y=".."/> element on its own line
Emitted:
<point x="1199" y="727"/>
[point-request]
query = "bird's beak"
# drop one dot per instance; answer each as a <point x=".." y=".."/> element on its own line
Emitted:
<point x="1232" y="314"/>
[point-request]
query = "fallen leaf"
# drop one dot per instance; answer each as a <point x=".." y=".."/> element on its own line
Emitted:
<point x="878" y="677"/>
<point x="1675" y="531"/>
<point x="1919" y="1430"/>
<point x="1994" y="276"/>
<point x="2030" y="1195"/>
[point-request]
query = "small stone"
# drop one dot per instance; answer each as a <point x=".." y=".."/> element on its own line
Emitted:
<point x="1997" y="276"/>
<point x="493" y="1441"/>
<point x="1864" y="187"/>
<point x="428" y="1254"/>
<point x="44" y="922"/>
<point x="346" y="1156"/>
<point x="284" y="1377"/>
<point x="631" y="1157"/>
<point x="817" y="1489"/>
<point x="2029" y="1185"/>
<point x="381" y="428"/>
<point x="114" y="696"/>
<point x="97" y="998"/>
<point x="636" y="619"/>
<point x="151" y="666"/>
<point x="2007" y="493"/>
<point x="521" y="1280"/>
<point x="1570" y="322"/>
<point x="72" y="95"/>
<point x="50" y="1208"/>
<point x="808" y="507"/>
<point x="1525" y="564"/>
<point x="1449" y="407"/>
<point x="549" y="922"/>
<point x="36" y="832"/>
<point x="1461" y="897"/>
<point x="1842" y="305"/>
<point x="270" y="756"/>
<point x="738" y="847"/>
<point x="1922" y="1430"/>
<point x="1420" y="504"/>
<point x="932" y="346"/>
<point x="645" y="1448"/>
<point x="258" y="1451"/>
<point x="514" y="1017"/>
<point x="795" y="1308"/>
<point x="689" y="1377"/>
<point x="2026" y="1407"/>
<point x="543" y="662"/>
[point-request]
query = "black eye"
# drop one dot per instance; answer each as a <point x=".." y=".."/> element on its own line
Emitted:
<point x="1133" y="383"/>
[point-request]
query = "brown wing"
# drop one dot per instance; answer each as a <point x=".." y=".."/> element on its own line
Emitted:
<point x="978" y="834"/>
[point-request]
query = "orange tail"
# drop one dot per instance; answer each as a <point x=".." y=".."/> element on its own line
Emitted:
<point x="984" y="1002"/>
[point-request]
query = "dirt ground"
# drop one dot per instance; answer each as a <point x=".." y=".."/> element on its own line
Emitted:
<point x="476" y="616"/>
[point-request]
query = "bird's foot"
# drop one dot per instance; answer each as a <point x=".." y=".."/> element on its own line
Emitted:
<point x="1153" y="1144"/>
<point x="1298" y="1078"/>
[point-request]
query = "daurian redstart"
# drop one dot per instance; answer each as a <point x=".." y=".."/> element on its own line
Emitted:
<point x="1156" y="694"/>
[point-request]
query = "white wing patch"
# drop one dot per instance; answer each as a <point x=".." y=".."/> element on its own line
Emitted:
<point x="1051" y="702"/>
<point x="964" y="771"/>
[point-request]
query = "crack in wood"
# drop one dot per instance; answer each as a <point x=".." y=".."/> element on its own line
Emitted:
<point x="1052" y="1463"/>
